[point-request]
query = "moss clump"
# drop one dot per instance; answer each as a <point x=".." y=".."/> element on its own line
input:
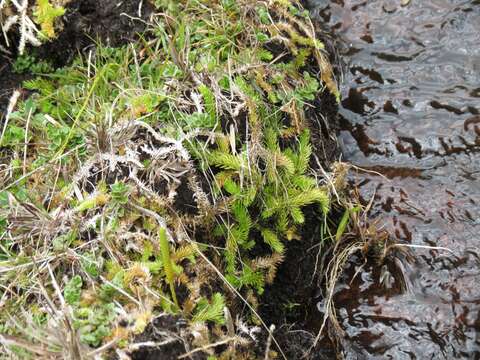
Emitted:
<point x="157" y="177"/>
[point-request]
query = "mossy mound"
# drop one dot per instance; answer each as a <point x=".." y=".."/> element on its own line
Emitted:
<point x="165" y="177"/>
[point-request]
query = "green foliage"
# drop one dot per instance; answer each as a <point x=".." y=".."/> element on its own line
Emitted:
<point x="342" y="226"/>
<point x="225" y="161"/>
<point x="278" y="192"/>
<point x="94" y="322"/>
<point x="64" y="241"/>
<point x="73" y="290"/>
<point x="13" y="136"/>
<point x="271" y="238"/>
<point x="109" y="290"/>
<point x="92" y="264"/>
<point x="29" y="64"/>
<point x="169" y="6"/>
<point x="168" y="264"/>
<point x="41" y="85"/>
<point x="45" y="15"/>
<point x="60" y="135"/>
<point x="247" y="277"/>
<point x="145" y="103"/>
<point x="209" y="101"/>
<point x="210" y="310"/>
<point x="301" y="158"/>
<point x="302" y="94"/>
<point x="119" y="192"/>
<point x="263" y="14"/>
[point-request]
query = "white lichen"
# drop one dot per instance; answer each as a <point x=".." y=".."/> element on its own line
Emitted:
<point x="17" y="17"/>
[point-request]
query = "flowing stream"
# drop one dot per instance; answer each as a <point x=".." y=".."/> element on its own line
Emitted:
<point x="411" y="111"/>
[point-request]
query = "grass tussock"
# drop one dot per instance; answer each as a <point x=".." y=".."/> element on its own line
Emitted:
<point x="162" y="178"/>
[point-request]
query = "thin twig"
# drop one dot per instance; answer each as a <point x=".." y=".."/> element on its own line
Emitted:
<point x="424" y="247"/>
<point x="206" y="347"/>
<point x="25" y="149"/>
<point x="269" y="342"/>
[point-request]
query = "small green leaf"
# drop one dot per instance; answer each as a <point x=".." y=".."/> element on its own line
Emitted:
<point x="262" y="37"/>
<point x="263" y="15"/>
<point x="272" y="239"/>
<point x="343" y="225"/>
<point x="167" y="263"/>
<point x="91" y="264"/>
<point x="210" y="311"/>
<point x="73" y="290"/>
<point x="209" y="101"/>
<point x="119" y="192"/>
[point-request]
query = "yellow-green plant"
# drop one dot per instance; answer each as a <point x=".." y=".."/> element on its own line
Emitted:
<point x="167" y="263"/>
<point x="45" y="15"/>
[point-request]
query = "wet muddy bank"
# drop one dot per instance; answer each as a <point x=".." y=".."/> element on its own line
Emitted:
<point x="410" y="111"/>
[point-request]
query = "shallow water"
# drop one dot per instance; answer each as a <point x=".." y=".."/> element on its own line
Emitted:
<point x="411" y="111"/>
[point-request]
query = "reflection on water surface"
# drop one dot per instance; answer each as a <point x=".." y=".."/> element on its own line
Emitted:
<point x="411" y="110"/>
